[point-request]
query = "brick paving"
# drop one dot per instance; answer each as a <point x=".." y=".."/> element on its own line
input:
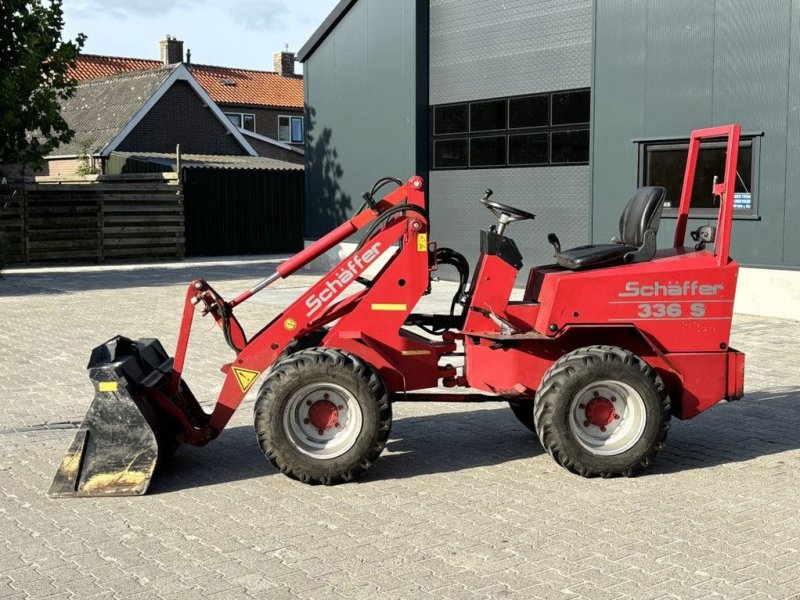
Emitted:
<point x="463" y="504"/>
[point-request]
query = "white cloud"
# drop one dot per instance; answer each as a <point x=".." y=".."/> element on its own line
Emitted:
<point x="260" y="15"/>
<point x="130" y="8"/>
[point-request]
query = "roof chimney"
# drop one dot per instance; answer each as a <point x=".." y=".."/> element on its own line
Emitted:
<point x="283" y="62"/>
<point x="171" y="50"/>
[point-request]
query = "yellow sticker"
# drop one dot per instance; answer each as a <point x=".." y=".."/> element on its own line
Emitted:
<point x="415" y="352"/>
<point x="245" y="377"/>
<point x="108" y="386"/>
<point x="290" y="324"/>
<point x="389" y="307"/>
<point x="422" y="242"/>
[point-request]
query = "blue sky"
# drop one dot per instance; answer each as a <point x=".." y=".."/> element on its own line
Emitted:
<point x="236" y="33"/>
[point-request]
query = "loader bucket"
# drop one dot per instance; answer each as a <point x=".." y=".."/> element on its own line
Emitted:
<point x="117" y="447"/>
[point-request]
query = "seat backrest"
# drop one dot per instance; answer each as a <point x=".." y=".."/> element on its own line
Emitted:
<point x="643" y="213"/>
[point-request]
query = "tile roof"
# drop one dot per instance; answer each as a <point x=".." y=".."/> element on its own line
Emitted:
<point x="212" y="161"/>
<point x="100" y="108"/>
<point x="92" y="66"/>
<point x="225" y="85"/>
<point x="243" y="86"/>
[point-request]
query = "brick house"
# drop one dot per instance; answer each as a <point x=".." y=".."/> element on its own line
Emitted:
<point x="261" y="104"/>
<point x="152" y="110"/>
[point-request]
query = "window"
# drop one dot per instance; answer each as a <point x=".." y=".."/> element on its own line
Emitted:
<point x="487" y="151"/>
<point x="533" y="111"/>
<point x="487" y="116"/>
<point x="243" y="120"/>
<point x="451" y="119"/>
<point x="526" y="131"/>
<point x="663" y="163"/>
<point x="290" y="129"/>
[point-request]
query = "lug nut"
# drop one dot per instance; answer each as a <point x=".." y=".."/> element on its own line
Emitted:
<point x="340" y="407"/>
<point x="613" y="398"/>
<point x="308" y="403"/>
<point x="337" y="426"/>
<point x="325" y="396"/>
<point x="596" y="394"/>
<point x="320" y="431"/>
<point x="616" y="417"/>
<point x="306" y="421"/>
<point x="602" y="429"/>
<point x="581" y="405"/>
<point x="586" y="423"/>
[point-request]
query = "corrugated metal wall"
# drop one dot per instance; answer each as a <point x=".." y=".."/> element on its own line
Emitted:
<point x="243" y="212"/>
<point x="494" y="48"/>
<point x="361" y="108"/>
<point x="664" y="67"/>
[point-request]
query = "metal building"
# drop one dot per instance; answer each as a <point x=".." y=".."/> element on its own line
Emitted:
<point x="562" y="107"/>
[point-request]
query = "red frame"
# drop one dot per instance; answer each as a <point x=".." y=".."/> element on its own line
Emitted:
<point x="674" y="311"/>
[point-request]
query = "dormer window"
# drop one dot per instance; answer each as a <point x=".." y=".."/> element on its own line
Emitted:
<point x="243" y="120"/>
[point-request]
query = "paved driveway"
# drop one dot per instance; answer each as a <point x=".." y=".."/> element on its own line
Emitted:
<point x="463" y="504"/>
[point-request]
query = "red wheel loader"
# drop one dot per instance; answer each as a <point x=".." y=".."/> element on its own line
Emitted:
<point x="607" y="344"/>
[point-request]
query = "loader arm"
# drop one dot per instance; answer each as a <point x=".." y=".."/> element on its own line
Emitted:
<point x="321" y="304"/>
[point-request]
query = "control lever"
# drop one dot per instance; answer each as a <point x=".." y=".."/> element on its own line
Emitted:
<point x="554" y="241"/>
<point x="505" y="326"/>
<point x="487" y="194"/>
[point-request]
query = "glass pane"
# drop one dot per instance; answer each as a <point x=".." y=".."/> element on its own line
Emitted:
<point x="571" y="107"/>
<point x="529" y="112"/>
<point x="665" y="167"/>
<point x="450" y="153"/>
<point x="235" y="119"/>
<point x="487" y="151"/>
<point x="249" y="122"/>
<point x="527" y="149"/>
<point x="284" y="135"/>
<point x="297" y="129"/>
<point x="570" y="146"/>
<point x="487" y="116"/>
<point x="450" y="119"/>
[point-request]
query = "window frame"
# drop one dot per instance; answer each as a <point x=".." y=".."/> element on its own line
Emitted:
<point x="506" y="132"/>
<point x="751" y="140"/>
<point x="292" y="119"/>
<point x="241" y="116"/>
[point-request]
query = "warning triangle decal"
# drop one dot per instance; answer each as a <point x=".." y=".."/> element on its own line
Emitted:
<point x="245" y="377"/>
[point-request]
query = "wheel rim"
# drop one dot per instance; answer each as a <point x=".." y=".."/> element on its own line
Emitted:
<point x="607" y="417"/>
<point x="322" y="420"/>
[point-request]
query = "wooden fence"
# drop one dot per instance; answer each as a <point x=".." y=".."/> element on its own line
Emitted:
<point x="129" y="218"/>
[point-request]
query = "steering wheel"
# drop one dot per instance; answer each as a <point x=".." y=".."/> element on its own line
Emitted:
<point x="505" y="214"/>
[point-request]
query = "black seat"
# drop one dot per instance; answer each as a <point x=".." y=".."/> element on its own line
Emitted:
<point x="638" y="227"/>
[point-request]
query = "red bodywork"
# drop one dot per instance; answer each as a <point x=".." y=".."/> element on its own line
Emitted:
<point x="674" y="311"/>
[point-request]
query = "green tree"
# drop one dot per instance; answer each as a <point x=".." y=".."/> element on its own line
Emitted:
<point x="34" y="65"/>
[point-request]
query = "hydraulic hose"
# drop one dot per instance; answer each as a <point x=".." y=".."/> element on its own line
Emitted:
<point x="384" y="217"/>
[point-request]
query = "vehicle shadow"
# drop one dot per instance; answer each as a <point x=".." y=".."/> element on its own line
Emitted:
<point x="451" y="441"/>
<point x="765" y="422"/>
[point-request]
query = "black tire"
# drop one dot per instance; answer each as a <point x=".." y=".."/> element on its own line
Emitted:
<point x="310" y="340"/>
<point x="523" y="410"/>
<point x="278" y="425"/>
<point x="562" y="395"/>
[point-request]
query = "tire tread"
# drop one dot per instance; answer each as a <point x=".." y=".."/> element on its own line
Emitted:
<point x="556" y="378"/>
<point x="332" y="360"/>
